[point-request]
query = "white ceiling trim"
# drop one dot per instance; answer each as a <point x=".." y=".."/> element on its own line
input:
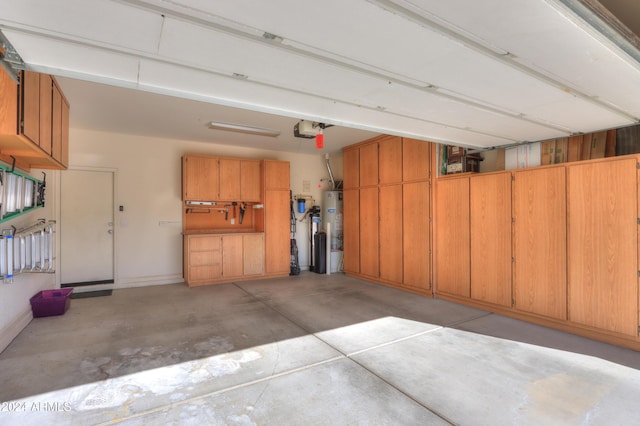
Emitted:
<point x="476" y="92"/>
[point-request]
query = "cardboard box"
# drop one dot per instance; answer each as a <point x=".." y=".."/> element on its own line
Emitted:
<point x="455" y="152"/>
<point x="574" y="150"/>
<point x="471" y="164"/>
<point x="597" y="143"/>
<point x="554" y="151"/>
<point x="547" y="152"/>
<point x="610" y="146"/>
<point x="562" y="146"/>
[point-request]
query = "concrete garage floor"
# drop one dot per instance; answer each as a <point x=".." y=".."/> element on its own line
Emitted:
<point x="312" y="349"/>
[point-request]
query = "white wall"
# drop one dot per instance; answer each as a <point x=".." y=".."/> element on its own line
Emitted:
<point x="15" y="308"/>
<point x="148" y="185"/>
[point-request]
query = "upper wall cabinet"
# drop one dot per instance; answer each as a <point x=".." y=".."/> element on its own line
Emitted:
<point x="34" y="122"/>
<point x="201" y="177"/>
<point x="208" y="178"/>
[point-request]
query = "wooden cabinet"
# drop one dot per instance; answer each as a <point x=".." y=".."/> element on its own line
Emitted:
<point x="490" y="231"/>
<point x="386" y="221"/>
<point x="369" y="243"/>
<point x="202" y="259"/>
<point x="34" y="122"/>
<point x="277" y="212"/>
<point x="416" y="160"/>
<point x="452" y="248"/>
<point x="47" y="116"/>
<point x="257" y="247"/>
<point x="30" y="106"/>
<point x="390" y="168"/>
<point x="390" y="233"/>
<point x="351" y="168"/>
<point x="351" y="236"/>
<point x="368" y="175"/>
<point x="200" y="178"/>
<point x="415" y="244"/>
<point x="232" y="256"/>
<point x="540" y="241"/>
<point x="59" y="127"/>
<point x="230" y="177"/>
<point x="208" y="178"/>
<point x="253" y="254"/>
<point x="277" y="175"/>
<point x="603" y="245"/>
<point x="250" y="174"/>
<point x="212" y="259"/>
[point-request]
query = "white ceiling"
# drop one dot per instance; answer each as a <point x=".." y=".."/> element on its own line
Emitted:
<point x="482" y="74"/>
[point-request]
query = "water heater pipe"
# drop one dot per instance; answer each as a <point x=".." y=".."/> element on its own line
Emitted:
<point x="333" y="182"/>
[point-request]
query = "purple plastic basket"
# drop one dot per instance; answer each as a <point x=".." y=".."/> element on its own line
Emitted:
<point x="47" y="303"/>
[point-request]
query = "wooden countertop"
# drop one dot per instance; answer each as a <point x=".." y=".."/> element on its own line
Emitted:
<point x="219" y="232"/>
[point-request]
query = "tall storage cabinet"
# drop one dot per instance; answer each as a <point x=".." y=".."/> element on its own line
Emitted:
<point x="555" y="245"/>
<point x="452" y="237"/>
<point x="603" y="245"/>
<point x="276" y="221"/>
<point x="387" y="212"/>
<point x="540" y="241"/>
<point x="490" y="231"/>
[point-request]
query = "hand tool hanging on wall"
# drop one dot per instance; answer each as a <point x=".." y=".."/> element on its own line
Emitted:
<point x="235" y="206"/>
<point x="226" y="211"/>
<point x="243" y="207"/>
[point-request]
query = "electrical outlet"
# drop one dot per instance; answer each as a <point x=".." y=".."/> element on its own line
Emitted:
<point x="233" y="220"/>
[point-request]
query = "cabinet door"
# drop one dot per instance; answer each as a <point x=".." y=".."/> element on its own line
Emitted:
<point x="232" y="257"/>
<point x="390" y="160"/>
<point x="250" y="173"/>
<point x="200" y="178"/>
<point x="277" y="240"/>
<point x="391" y="233"/>
<point x="8" y="104"/>
<point x="369" y="165"/>
<point x="30" y="87"/>
<point x="276" y="175"/>
<point x="229" y="179"/>
<point x="416" y="160"/>
<point x="46" y="104"/>
<point x="253" y="254"/>
<point x="369" y="231"/>
<point x="452" y="244"/>
<point x="540" y="241"/>
<point x="491" y="259"/>
<point x="56" y="123"/>
<point x="351" y="207"/>
<point x="603" y="245"/>
<point x="64" y="137"/>
<point x="351" y="168"/>
<point x="415" y="219"/>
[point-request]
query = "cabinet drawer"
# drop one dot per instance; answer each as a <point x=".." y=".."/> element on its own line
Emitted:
<point x="205" y="273"/>
<point x="201" y="258"/>
<point x="204" y="243"/>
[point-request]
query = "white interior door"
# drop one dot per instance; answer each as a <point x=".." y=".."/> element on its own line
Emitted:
<point x="86" y="226"/>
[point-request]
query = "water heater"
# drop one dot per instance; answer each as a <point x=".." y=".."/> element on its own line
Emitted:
<point x="332" y="214"/>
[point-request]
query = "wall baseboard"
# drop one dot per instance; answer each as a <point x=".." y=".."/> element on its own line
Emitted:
<point x="11" y="331"/>
<point x="145" y="281"/>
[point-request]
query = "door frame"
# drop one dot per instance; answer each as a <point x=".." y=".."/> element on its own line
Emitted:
<point x="58" y="210"/>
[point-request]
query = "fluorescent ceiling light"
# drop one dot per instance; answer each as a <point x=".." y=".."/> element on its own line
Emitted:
<point x="243" y="129"/>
